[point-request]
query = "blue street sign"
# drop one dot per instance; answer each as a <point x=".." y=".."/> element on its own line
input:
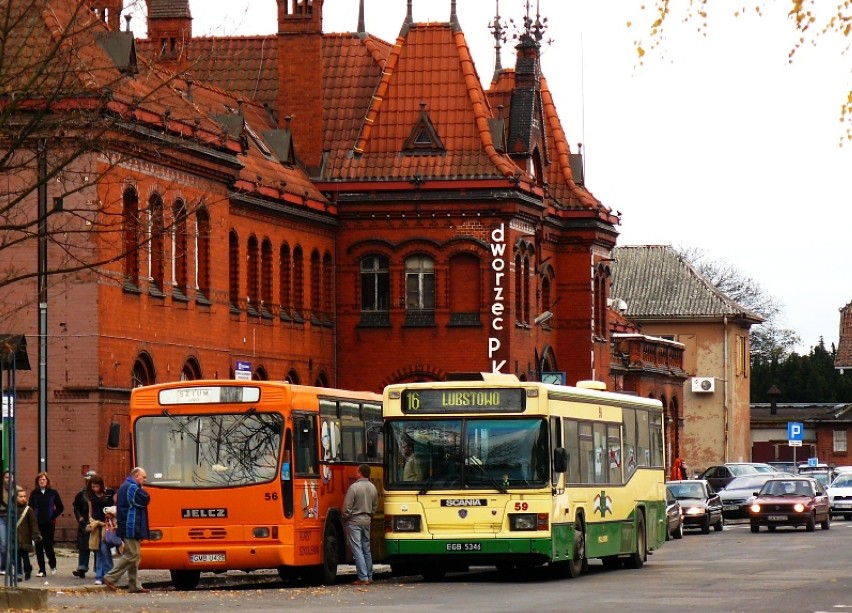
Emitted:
<point x="795" y="431"/>
<point x="242" y="371"/>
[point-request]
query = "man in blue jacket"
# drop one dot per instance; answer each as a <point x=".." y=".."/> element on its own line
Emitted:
<point x="132" y="526"/>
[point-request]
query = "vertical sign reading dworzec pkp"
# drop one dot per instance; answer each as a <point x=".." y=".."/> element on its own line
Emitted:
<point x="498" y="307"/>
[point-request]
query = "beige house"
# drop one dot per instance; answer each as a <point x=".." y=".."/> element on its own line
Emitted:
<point x="668" y="298"/>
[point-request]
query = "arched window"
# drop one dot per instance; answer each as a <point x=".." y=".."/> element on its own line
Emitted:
<point x="266" y="276"/>
<point x="419" y="283"/>
<point x="180" y="248"/>
<point x="202" y="252"/>
<point x="252" y="265"/>
<point x="234" y="270"/>
<point x="157" y="244"/>
<point x="375" y="283"/>
<point x="143" y="371"/>
<point x="599" y="302"/>
<point x="327" y="286"/>
<point x="191" y="370"/>
<point x="545" y="293"/>
<point x="292" y="377"/>
<point x="519" y="289"/>
<point x="321" y="380"/>
<point x="526" y="282"/>
<point x="284" y="286"/>
<point x="130" y="221"/>
<point x="316" y="275"/>
<point x="260" y="374"/>
<point x="465" y="297"/>
<point x="298" y="279"/>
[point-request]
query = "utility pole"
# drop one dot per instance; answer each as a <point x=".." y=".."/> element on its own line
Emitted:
<point x="42" y="304"/>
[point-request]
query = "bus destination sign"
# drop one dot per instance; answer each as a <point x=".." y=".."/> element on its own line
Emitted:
<point x="426" y="401"/>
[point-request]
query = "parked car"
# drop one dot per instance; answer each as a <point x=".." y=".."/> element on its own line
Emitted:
<point x="784" y="467"/>
<point x="790" y="501"/>
<point x="737" y="495"/>
<point x="840" y="495"/>
<point x="701" y="505"/>
<point x="719" y="476"/>
<point x="674" y="517"/>
<point x="820" y="472"/>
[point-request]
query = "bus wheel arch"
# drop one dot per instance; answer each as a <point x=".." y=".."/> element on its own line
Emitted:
<point x="640" y="555"/>
<point x="333" y="552"/>
<point x="578" y="562"/>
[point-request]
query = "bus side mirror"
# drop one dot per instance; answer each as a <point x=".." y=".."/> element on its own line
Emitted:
<point x="560" y="460"/>
<point x="114" y="436"/>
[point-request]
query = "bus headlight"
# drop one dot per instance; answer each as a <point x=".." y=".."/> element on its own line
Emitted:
<point x="155" y="535"/>
<point x="260" y="533"/>
<point x="406" y="523"/>
<point x="523" y="521"/>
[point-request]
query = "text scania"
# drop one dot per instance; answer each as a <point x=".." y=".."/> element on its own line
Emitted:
<point x="468" y="399"/>
<point x="498" y="265"/>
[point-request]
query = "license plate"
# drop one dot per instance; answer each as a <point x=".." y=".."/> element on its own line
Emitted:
<point x="201" y="558"/>
<point x="842" y="505"/>
<point x="777" y="518"/>
<point x="464" y="546"/>
<point x="730" y="507"/>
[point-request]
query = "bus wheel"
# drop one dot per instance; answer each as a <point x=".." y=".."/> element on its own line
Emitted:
<point x="185" y="580"/>
<point x="638" y="557"/>
<point x="574" y="566"/>
<point x="326" y="573"/>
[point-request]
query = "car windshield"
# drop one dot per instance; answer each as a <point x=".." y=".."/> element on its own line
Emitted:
<point x="764" y="468"/>
<point x="842" y="481"/>
<point x="747" y="483"/>
<point x="683" y="491"/>
<point x="742" y="469"/>
<point x="787" y="488"/>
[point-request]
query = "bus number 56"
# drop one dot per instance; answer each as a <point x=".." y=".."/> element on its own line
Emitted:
<point x="270" y="496"/>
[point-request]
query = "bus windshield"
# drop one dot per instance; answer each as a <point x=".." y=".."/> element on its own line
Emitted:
<point x="207" y="451"/>
<point x="467" y="453"/>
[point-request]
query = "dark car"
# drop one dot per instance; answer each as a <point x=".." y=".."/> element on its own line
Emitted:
<point x="674" y="517"/>
<point x="790" y="501"/>
<point x="737" y="495"/>
<point x="719" y="476"/>
<point x="701" y="506"/>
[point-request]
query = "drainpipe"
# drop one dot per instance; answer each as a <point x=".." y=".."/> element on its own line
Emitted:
<point x="725" y="380"/>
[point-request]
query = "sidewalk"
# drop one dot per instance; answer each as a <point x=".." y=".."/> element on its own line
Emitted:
<point x="64" y="581"/>
<point x="66" y="563"/>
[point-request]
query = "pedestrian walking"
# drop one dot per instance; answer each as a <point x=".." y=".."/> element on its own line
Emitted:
<point x="27" y="532"/>
<point x="4" y="511"/>
<point x="132" y="526"/>
<point x="101" y="499"/>
<point x="47" y="505"/>
<point x="81" y="514"/>
<point x="359" y="505"/>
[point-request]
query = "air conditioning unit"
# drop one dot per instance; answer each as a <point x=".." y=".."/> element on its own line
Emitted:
<point x="703" y="385"/>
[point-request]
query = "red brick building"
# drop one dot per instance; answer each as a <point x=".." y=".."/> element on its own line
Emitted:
<point x="332" y="209"/>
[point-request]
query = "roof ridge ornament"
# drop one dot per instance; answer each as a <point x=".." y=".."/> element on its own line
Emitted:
<point x="498" y="30"/>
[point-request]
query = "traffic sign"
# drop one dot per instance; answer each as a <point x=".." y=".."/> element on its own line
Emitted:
<point x="242" y="371"/>
<point x="795" y="431"/>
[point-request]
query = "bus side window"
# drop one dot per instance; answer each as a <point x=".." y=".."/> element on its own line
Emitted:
<point x="306" y="448"/>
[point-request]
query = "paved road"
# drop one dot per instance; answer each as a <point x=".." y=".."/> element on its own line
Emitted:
<point x="732" y="571"/>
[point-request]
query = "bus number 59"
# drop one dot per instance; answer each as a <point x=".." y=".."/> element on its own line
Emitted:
<point x="521" y="506"/>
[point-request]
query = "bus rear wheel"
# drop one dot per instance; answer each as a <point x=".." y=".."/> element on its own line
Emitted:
<point x="185" y="580"/>
<point x="638" y="557"/>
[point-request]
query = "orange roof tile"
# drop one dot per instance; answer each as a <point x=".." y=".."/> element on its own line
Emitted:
<point x="431" y="64"/>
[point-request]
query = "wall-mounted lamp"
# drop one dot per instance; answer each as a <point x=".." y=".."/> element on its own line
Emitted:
<point x="543" y="318"/>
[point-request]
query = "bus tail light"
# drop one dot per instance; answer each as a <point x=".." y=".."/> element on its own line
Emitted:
<point x="260" y="533"/>
<point x="403" y="523"/>
<point x="155" y="535"/>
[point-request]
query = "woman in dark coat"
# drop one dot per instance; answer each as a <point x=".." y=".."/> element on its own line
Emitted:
<point x="47" y="504"/>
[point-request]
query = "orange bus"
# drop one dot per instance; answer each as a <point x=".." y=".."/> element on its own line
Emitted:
<point x="251" y="475"/>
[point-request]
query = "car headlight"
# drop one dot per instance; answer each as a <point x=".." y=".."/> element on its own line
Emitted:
<point x="798" y="507"/>
<point x="755" y="508"/>
<point x="695" y="511"/>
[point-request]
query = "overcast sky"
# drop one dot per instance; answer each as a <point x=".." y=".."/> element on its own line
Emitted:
<point x="716" y="142"/>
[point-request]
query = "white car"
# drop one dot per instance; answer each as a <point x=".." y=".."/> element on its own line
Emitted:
<point x="840" y="495"/>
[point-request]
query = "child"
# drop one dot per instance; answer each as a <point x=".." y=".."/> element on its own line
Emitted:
<point x="27" y="533"/>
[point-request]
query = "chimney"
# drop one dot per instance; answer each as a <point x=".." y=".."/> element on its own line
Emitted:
<point x="300" y="77"/>
<point x="110" y="12"/>
<point x="170" y="26"/>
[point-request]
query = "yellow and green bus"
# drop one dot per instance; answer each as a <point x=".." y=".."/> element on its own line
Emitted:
<point x="499" y="472"/>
